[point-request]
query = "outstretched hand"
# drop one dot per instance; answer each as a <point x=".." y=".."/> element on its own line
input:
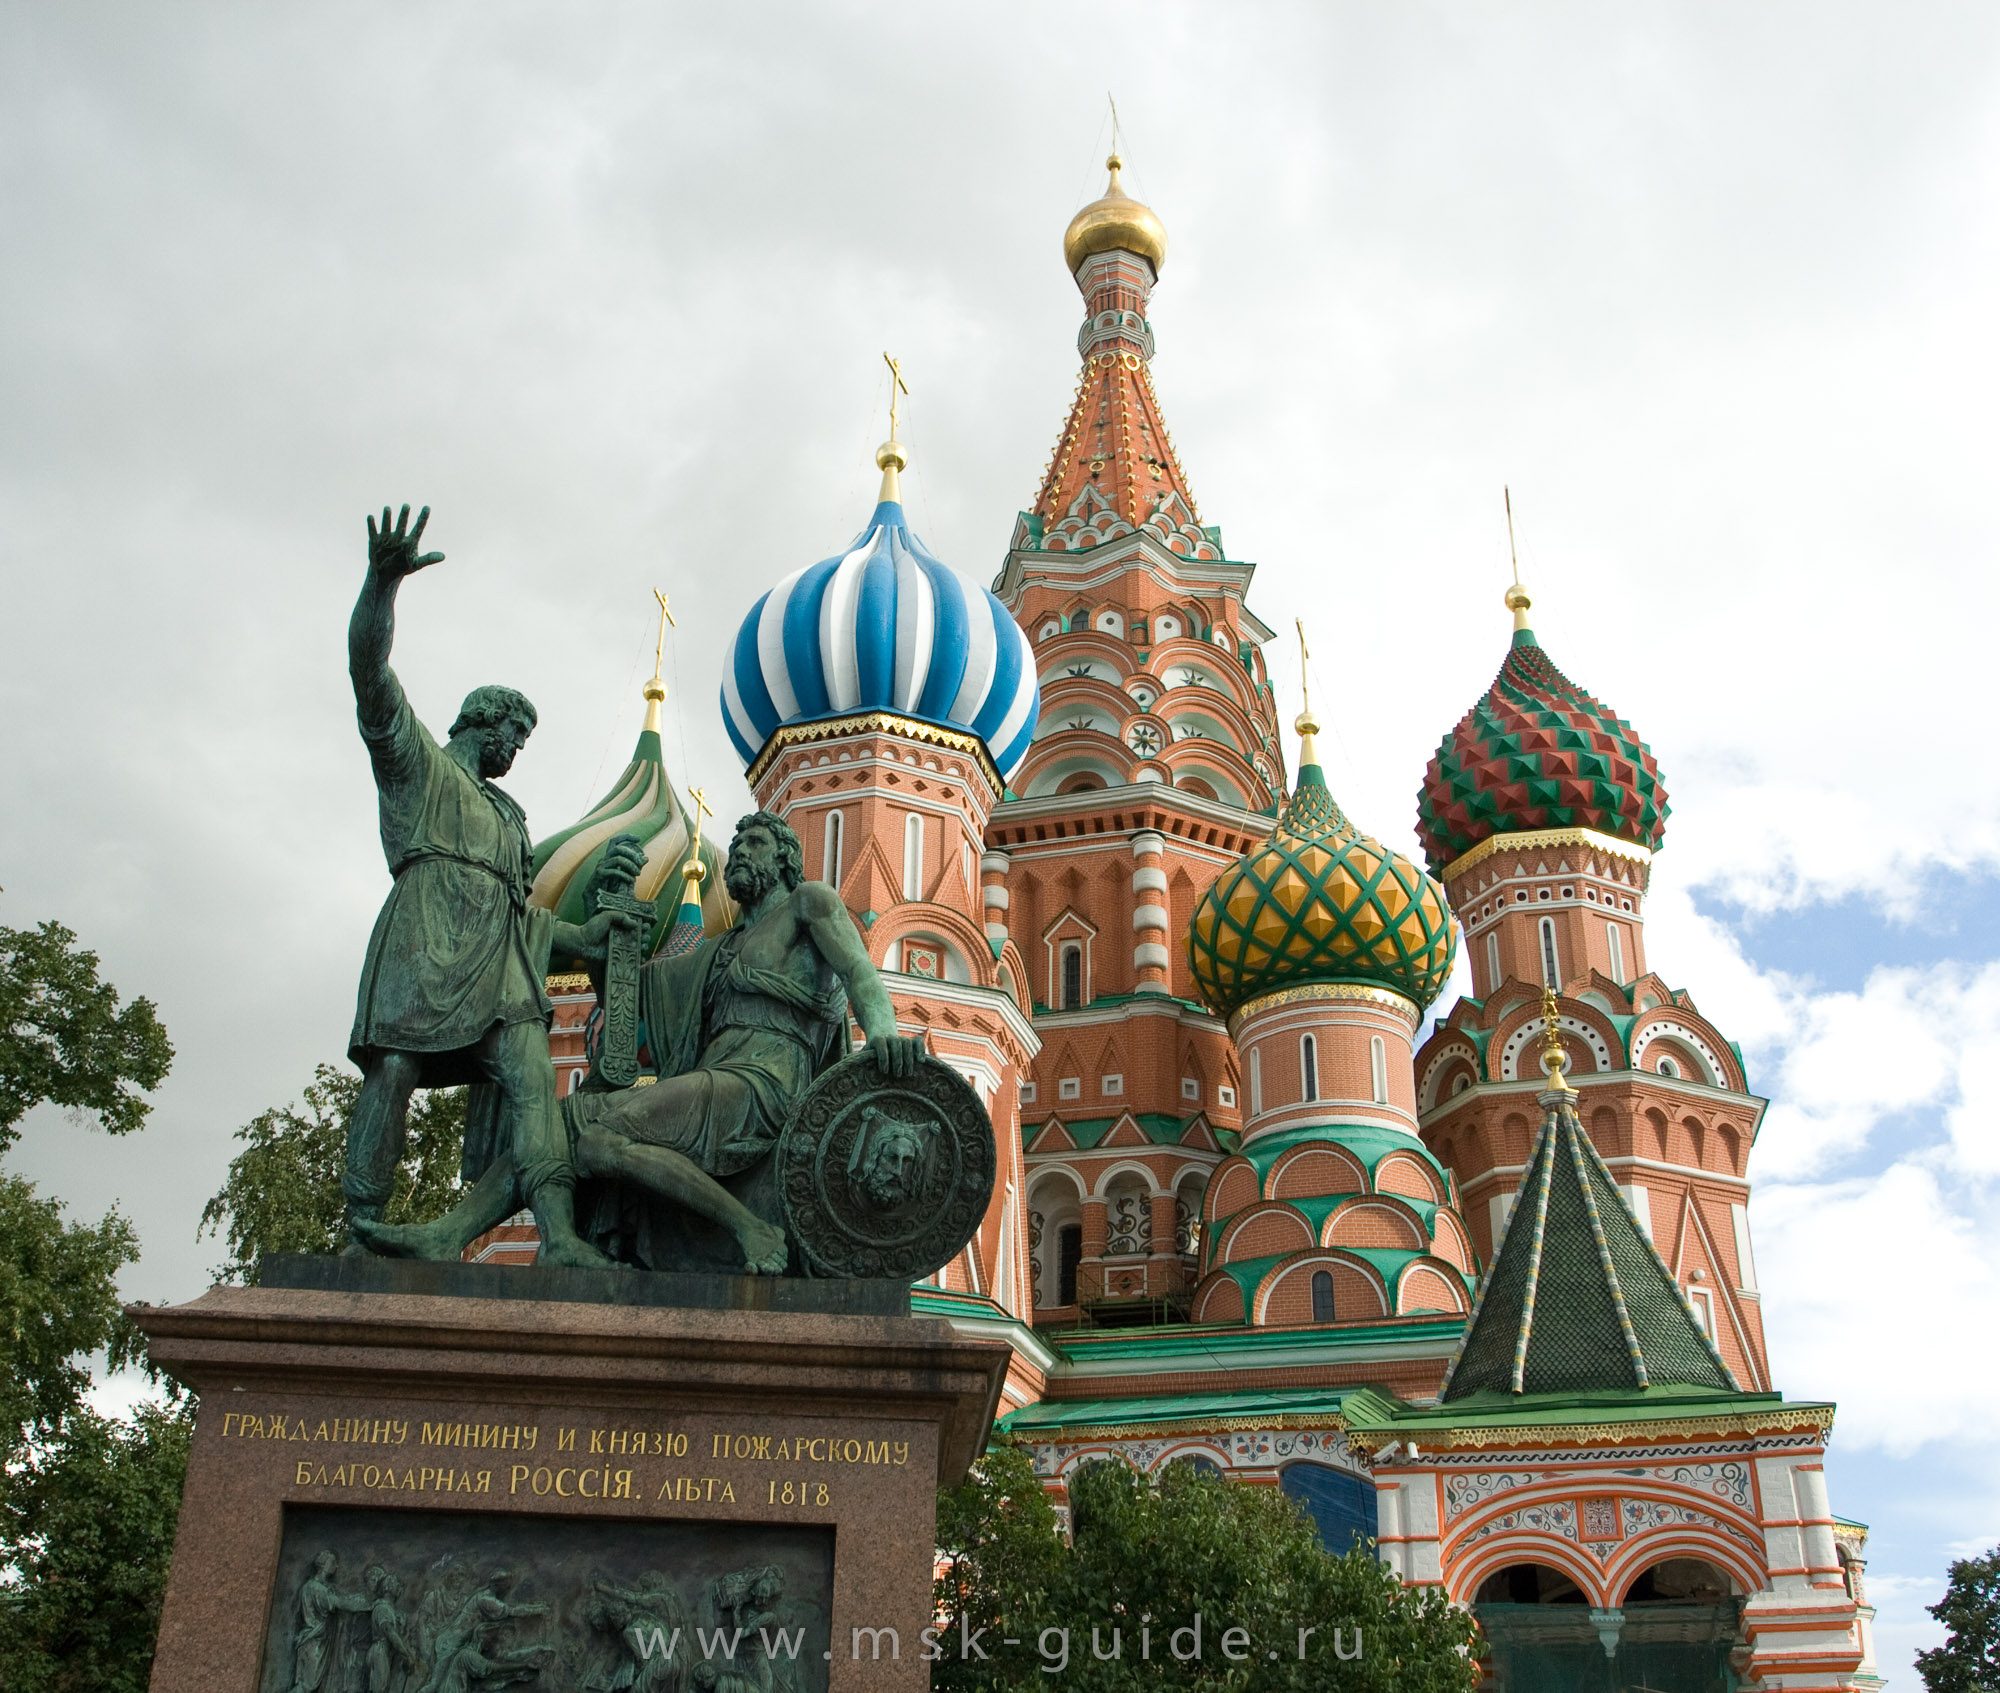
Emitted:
<point x="392" y="549"/>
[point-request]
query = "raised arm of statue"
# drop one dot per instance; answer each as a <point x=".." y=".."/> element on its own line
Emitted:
<point x="392" y="555"/>
<point x="834" y="934"/>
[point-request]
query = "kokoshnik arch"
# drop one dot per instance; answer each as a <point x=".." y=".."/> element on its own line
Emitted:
<point x="1489" y="1300"/>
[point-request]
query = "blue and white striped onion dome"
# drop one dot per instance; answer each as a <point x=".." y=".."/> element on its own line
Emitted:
<point x="883" y="626"/>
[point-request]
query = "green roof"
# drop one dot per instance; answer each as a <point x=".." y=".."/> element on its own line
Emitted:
<point x="1372" y="1410"/>
<point x="1578" y="1300"/>
<point x="1052" y="1417"/>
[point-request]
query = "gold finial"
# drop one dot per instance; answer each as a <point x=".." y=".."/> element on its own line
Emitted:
<point x="890" y="458"/>
<point x="1306" y="724"/>
<point x="1517" y="596"/>
<point x="694" y="870"/>
<point x="655" y="691"/>
<point x="1553" y="1056"/>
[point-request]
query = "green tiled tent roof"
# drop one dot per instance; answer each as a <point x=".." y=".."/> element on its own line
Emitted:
<point x="1577" y="1300"/>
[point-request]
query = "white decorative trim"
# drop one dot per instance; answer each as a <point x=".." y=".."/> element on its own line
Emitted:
<point x="1531" y="1030"/>
<point x="1717" y="1070"/>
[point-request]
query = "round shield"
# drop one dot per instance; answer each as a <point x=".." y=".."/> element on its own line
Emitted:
<point x="884" y="1175"/>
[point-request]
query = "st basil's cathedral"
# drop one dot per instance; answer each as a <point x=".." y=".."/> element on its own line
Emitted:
<point x="1487" y="1297"/>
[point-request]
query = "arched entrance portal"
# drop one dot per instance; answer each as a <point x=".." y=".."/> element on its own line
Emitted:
<point x="1672" y="1633"/>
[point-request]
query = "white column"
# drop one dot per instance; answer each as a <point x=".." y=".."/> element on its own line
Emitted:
<point x="1151" y="958"/>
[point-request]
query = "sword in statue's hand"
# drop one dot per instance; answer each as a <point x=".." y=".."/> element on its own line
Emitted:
<point x="617" y="1061"/>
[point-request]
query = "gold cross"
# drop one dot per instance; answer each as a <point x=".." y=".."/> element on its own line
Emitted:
<point x="896" y="382"/>
<point x="1305" y="694"/>
<point x="660" y="646"/>
<point x="700" y="798"/>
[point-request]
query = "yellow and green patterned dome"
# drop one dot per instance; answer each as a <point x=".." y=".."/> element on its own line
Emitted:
<point x="1318" y="901"/>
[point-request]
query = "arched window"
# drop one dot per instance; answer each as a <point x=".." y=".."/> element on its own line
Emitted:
<point x="913" y="856"/>
<point x="1493" y="961"/>
<point x="1617" y="942"/>
<point x="1256" y="1081"/>
<point x="1549" y="972"/>
<point x="965" y="865"/>
<point x="1378" y="1068"/>
<point x="1308" y="1067"/>
<point x="1072" y="976"/>
<point x="1322" y="1296"/>
<point x="829" y="863"/>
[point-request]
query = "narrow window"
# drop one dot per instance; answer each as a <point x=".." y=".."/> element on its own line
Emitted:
<point x="1378" y="1068"/>
<point x="1308" y="1067"/>
<point x="1493" y="962"/>
<point x="1256" y="1081"/>
<point x="965" y="861"/>
<point x="830" y="858"/>
<point x="1617" y="952"/>
<point x="1704" y="1309"/>
<point x="1549" y="974"/>
<point x="1069" y="1253"/>
<point x="913" y="856"/>
<point x="1322" y="1296"/>
<point x="1072" y="976"/>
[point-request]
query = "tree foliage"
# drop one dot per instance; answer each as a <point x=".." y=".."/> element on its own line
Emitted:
<point x="58" y="1304"/>
<point x="1143" y="1558"/>
<point x="1969" y="1660"/>
<point x="87" y="1504"/>
<point x="90" y="1531"/>
<point x="283" y="1189"/>
<point x="65" y="1039"/>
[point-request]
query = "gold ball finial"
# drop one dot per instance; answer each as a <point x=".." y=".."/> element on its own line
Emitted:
<point x="1554" y="1059"/>
<point x="694" y="870"/>
<point x="892" y="453"/>
<point x="654" y="690"/>
<point x="1518" y="603"/>
<point x="1308" y="726"/>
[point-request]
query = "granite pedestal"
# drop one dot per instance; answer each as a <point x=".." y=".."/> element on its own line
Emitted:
<point x="410" y="1479"/>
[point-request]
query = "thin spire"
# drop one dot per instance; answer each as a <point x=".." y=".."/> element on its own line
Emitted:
<point x="1306" y="724"/>
<point x="1517" y="596"/>
<point x="655" y="691"/>
<point x="891" y="457"/>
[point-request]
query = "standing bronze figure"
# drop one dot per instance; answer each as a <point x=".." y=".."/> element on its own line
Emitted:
<point x="451" y="991"/>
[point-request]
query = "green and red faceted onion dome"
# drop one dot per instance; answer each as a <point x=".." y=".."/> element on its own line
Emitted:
<point x="1320" y="902"/>
<point x="1538" y="752"/>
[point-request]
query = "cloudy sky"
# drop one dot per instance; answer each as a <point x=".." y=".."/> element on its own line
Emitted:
<point x="608" y="286"/>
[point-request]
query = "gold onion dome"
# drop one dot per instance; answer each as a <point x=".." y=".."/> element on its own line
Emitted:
<point x="1319" y="902"/>
<point x="1117" y="222"/>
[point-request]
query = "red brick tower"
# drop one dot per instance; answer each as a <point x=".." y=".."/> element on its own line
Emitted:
<point x="879" y="700"/>
<point x="1540" y="814"/>
<point x="1155" y="763"/>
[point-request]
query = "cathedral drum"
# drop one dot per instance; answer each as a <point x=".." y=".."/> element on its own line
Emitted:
<point x="885" y="1177"/>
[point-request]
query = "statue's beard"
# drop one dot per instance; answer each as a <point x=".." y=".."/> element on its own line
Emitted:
<point x="496" y="756"/>
<point x="748" y="883"/>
